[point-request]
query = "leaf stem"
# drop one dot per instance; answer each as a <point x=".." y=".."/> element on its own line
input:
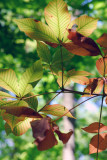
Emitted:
<point x="50" y="101"/>
<point x="62" y="66"/>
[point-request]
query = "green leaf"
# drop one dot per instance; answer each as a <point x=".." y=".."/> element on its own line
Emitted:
<point x="57" y="110"/>
<point x="31" y="100"/>
<point x="5" y="95"/>
<point x="8" y="80"/>
<point x="56" y="64"/>
<point x="12" y="120"/>
<point x="32" y="74"/>
<point x="8" y="129"/>
<point x="57" y="17"/>
<point x="36" y="30"/>
<point x="12" y="102"/>
<point x="20" y="128"/>
<point x="86" y="25"/>
<point x="43" y="52"/>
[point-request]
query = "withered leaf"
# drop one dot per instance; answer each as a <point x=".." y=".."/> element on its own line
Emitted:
<point x="64" y="137"/>
<point x="94" y="143"/>
<point x="83" y="43"/>
<point x="93" y="128"/>
<point x="21" y="111"/>
<point x="43" y="134"/>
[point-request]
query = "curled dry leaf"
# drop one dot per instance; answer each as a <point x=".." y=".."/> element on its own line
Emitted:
<point x="94" y="143"/>
<point x="93" y="128"/>
<point x="43" y="132"/>
<point x="64" y="137"/>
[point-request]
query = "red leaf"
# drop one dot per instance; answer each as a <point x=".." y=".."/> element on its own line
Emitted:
<point x="64" y="137"/>
<point x="43" y="134"/>
<point x="21" y="111"/>
<point x="102" y="41"/>
<point x="94" y="143"/>
<point x="84" y="43"/>
<point x="93" y="128"/>
<point x="79" y="50"/>
<point x="101" y="65"/>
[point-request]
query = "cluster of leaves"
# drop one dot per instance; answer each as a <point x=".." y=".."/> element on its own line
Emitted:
<point x="68" y="37"/>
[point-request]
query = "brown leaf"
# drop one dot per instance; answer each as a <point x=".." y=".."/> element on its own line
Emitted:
<point x="93" y="128"/>
<point x="106" y="100"/>
<point x="43" y="134"/>
<point x="95" y="86"/>
<point x="21" y="111"/>
<point x="101" y="65"/>
<point x="64" y="137"/>
<point x="81" y="45"/>
<point x="94" y="143"/>
<point x="102" y="41"/>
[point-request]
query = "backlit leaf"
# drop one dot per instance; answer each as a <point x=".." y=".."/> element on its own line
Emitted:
<point x="36" y="30"/>
<point x="12" y="120"/>
<point x="57" y="17"/>
<point x="93" y="128"/>
<point x="8" y="80"/>
<point x="79" y="50"/>
<point x="5" y="95"/>
<point x="20" y="127"/>
<point x="21" y="111"/>
<point x="43" y="52"/>
<point x="31" y="75"/>
<point x="86" y="25"/>
<point x="102" y="41"/>
<point x="31" y="100"/>
<point x="94" y="143"/>
<point x="101" y="65"/>
<point x="57" y="110"/>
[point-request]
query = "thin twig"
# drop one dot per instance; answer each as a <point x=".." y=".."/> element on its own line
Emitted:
<point x="50" y="101"/>
<point x="39" y="95"/>
<point x="62" y="66"/>
<point x="101" y="108"/>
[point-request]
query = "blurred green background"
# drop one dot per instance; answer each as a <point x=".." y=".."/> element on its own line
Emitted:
<point x="18" y="52"/>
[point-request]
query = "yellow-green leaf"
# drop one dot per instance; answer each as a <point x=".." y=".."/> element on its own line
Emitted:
<point x="57" y="110"/>
<point x="86" y="25"/>
<point x="20" y="128"/>
<point x="57" y="17"/>
<point x="8" y="80"/>
<point x="32" y="75"/>
<point x="5" y="95"/>
<point x="36" y="30"/>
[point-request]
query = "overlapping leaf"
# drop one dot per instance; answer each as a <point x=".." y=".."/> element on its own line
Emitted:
<point x="96" y="84"/>
<point x="94" y="143"/>
<point x="20" y="128"/>
<point x="54" y="63"/>
<point x="31" y="100"/>
<point x="86" y="25"/>
<point x="5" y="95"/>
<point x="57" y="110"/>
<point x="21" y="111"/>
<point x="75" y="76"/>
<point x="102" y="41"/>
